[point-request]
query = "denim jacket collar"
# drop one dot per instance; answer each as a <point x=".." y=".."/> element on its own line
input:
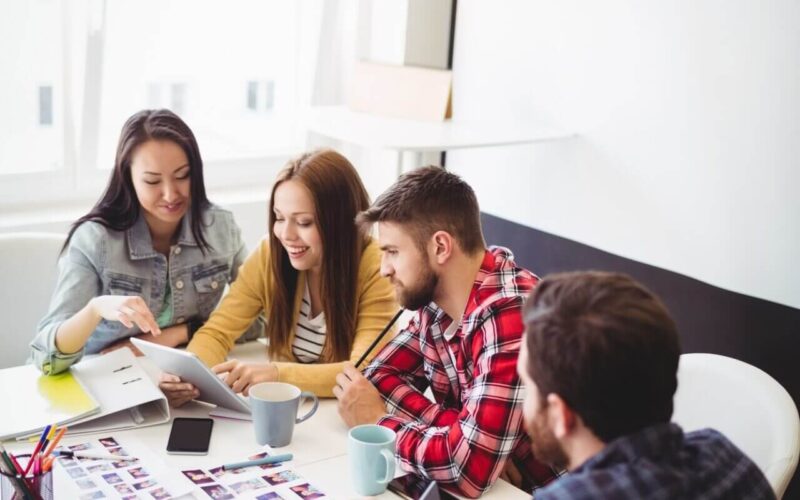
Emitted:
<point x="140" y="243"/>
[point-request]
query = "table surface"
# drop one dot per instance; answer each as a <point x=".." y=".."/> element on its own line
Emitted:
<point x="340" y="123"/>
<point x="319" y="445"/>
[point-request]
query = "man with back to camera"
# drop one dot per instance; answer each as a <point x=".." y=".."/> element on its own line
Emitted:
<point x="463" y="341"/>
<point x="598" y="362"/>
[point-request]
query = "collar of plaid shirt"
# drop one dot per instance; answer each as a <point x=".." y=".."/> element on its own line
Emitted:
<point x="497" y="278"/>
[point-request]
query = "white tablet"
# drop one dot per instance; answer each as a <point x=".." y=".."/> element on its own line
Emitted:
<point x="189" y="368"/>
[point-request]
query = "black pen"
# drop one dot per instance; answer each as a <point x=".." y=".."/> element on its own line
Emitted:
<point x="380" y="336"/>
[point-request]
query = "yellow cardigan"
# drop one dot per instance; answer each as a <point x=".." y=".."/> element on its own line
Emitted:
<point x="248" y="297"/>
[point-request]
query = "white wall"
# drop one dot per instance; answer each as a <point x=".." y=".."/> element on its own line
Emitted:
<point x="689" y="119"/>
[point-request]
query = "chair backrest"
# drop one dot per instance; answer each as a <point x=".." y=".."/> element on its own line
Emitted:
<point x="746" y="405"/>
<point x="29" y="269"/>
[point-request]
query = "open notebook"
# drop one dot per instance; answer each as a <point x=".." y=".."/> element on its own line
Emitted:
<point x="108" y="392"/>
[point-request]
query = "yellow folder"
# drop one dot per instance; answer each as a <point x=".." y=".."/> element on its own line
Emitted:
<point x="30" y="401"/>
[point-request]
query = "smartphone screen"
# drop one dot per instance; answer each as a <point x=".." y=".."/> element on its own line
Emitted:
<point x="414" y="487"/>
<point x="190" y="436"/>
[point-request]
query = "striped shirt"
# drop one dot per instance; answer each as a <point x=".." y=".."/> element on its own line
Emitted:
<point x="309" y="333"/>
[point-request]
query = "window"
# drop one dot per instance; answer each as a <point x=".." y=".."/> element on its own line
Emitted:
<point x="45" y="105"/>
<point x="79" y="69"/>
<point x="31" y="129"/>
<point x="200" y="59"/>
<point x="261" y="95"/>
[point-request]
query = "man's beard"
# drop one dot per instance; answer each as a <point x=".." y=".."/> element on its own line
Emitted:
<point x="544" y="443"/>
<point x="422" y="293"/>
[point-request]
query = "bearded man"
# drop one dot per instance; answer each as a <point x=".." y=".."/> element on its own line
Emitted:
<point x="462" y="343"/>
<point x="599" y="364"/>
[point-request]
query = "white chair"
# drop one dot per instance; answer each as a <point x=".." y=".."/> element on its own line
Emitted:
<point x="28" y="266"/>
<point x="746" y="405"/>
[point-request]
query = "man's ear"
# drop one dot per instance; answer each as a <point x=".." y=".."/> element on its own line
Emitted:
<point x="441" y="246"/>
<point x="561" y="417"/>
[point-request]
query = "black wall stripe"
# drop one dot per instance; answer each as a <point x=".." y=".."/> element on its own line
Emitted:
<point x="710" y="319"/>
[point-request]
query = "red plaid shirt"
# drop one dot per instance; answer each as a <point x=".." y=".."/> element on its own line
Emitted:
<point x="463" y="439"/>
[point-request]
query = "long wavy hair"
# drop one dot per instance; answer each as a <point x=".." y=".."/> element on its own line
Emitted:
<point x="119" y="207"/>
<point x="338" y="195"/>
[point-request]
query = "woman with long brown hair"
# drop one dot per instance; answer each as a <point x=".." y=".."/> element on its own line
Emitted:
<point x="316" y="278"/>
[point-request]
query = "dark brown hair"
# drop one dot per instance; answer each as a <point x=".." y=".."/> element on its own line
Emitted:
<point x="338" y="195"/>
<point x="427" y="200"/>
<point x="607" y="346"/>
<point x="119" y="208"/>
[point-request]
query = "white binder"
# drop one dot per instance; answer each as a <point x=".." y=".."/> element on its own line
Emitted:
<point x="127" y="396"/>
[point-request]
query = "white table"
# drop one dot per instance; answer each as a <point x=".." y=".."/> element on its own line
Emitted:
<point x="414" y="137"/>
<point x="319" y="445"/>
<point x="332" y="475"/>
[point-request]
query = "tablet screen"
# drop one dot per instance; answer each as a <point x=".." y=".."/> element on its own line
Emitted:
<point x="189" y="368"/>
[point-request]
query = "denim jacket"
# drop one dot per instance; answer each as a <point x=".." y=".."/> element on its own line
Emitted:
<point x="102" y="261"/>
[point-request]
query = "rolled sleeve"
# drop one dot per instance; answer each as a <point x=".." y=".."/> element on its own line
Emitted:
<point x="46" y="356"/>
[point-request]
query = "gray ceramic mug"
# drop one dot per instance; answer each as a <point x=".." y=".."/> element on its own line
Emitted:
<point x="274" y="406"/>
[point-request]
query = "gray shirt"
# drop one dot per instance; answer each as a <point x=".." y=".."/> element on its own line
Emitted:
<point x="102" y="261"/>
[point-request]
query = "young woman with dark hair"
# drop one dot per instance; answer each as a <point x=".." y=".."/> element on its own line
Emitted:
<point x="316" y="278"/>
<point x="151" y="259"/>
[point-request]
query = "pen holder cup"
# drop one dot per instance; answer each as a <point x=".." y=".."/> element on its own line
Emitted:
<point x="36" y="487"/>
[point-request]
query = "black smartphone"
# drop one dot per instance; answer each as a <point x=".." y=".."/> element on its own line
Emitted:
<point x="190" y="436"/>
<point x="414" y="487"/>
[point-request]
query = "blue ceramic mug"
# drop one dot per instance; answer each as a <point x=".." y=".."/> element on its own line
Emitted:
<point x="274" y="406"/>
<point x="372" y="463"/>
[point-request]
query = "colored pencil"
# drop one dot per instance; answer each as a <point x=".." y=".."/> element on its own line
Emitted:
<point x="38" y="448"/>
<point x="55" y="441"/>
